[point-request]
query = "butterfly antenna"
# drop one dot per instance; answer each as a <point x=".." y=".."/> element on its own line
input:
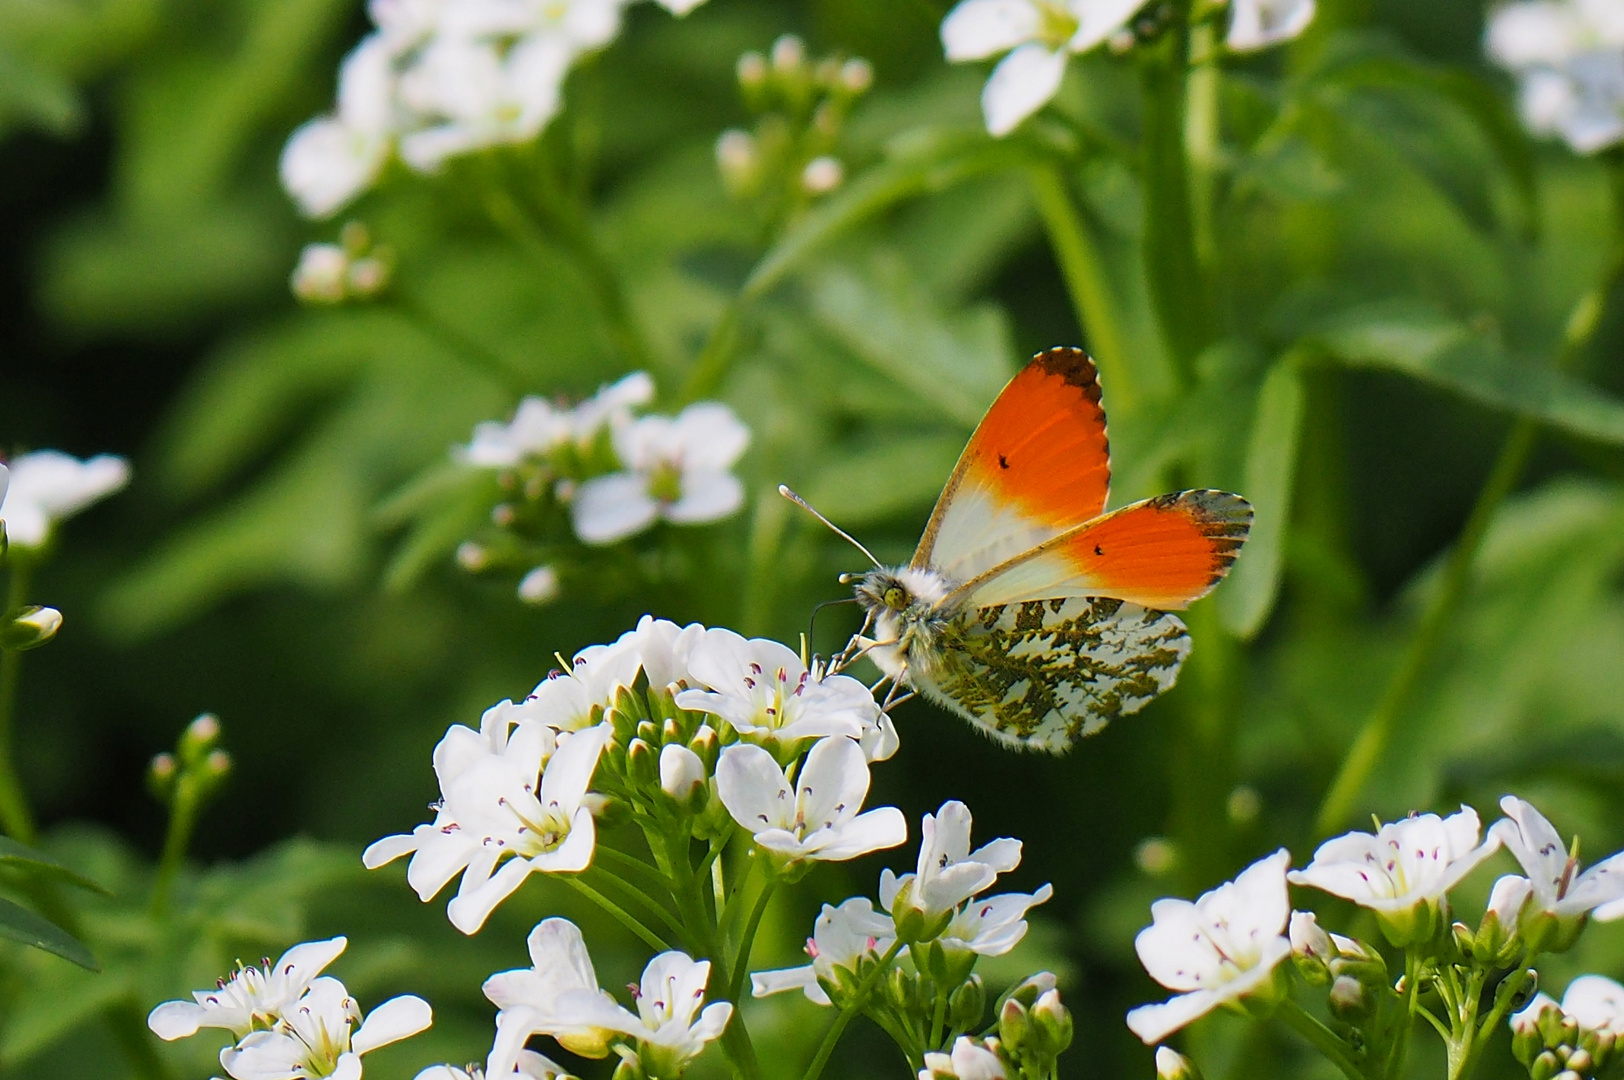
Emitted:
<point x="804" y="505"/>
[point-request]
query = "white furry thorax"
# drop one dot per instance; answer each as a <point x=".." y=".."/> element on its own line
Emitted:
<point x="905" y="603"/>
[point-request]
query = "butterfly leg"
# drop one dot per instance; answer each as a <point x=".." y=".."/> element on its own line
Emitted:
<point x="849" y="653"/>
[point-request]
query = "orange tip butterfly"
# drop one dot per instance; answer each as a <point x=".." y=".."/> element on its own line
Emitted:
<point x="1027" y="609"/>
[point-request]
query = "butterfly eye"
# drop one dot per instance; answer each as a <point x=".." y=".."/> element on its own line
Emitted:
<point x="896" y="598"/>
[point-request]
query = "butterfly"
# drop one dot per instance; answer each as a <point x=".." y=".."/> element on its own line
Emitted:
<point x="1027" y="609"/>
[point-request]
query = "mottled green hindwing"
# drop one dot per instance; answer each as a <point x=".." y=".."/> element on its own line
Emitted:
<point x="1044" y="673"/>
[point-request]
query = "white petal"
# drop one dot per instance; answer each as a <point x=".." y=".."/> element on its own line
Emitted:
<point x="468" y="911"/>
<point x="1099" y="19"/>
<point x="326" y="164"/>
<point x="753" y="789"/>
<point x="396" y="1019"/>
<point x="1257" y="24"/>
<point x="1154" y="1023"/>
<point x="833" y="782"/>
<point x="613" y="507"/>
<point x="805" y="979"/>
<point x="977" y="29"/>
<point x="575" y="853"/>
<point x="872" y="831"/>
<point x="569" y="773"/>
<point x="711" y="435"/>
<point x="1596" y="1002"/>
<point x="347" y="1068"/>
<point x="1021" y="84"/>
<point x="706" y="496"/>
<point x="175" y="1020"/>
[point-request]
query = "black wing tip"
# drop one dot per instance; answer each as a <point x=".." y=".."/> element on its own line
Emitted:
<point x="1072" y="364"/>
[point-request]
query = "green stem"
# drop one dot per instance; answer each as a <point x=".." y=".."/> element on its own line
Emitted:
<point x="15" y="816"/>
<point x="1412" y="995"/>
<point x="183" y="810"/>
<point x="717" y="354"/>
<point x="858" y="999"/>
<point x="1367" y="749"/>
<point x="741" y="959"/>
<point x="621" y="915"/>
<point x="1178" y="288"/>
<point x="1201" y="142"/>
<point x="938" y="1019"/>
<point x="1491" y="1023"/>
<point x="1321" y="1037"/>
<point x="643" y="899"/>
<point x="1083" y="268"/>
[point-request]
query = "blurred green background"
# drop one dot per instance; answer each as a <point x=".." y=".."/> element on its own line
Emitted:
<point x="1376" y="194"/>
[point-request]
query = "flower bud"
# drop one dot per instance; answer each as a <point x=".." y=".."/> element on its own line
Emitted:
<point x="670" y="732"/>
<point x="1311" y="948"/>
<point x="1545" y="1066"/>
<point x="641" y="767"/>
<point x="1172" y="1065"/>
<point x="822" y="175"/>
<point x="321" y="274"/>
<point x="1580" y="1061"/>
<point x="739" y="161"/>
<point x="1156" y="856"/>
<point x="161" y="776"/>
<point x="198" y="739"/>
<point x="29" y="628"/>
<point x="368" y="277"/>
<point x="473" y="557"/>
<point x="966" y="1005"/>
<point x="704" y="743"/>
<point x="1029" y="989"/>
<point x="1013" y="1024"/>
<point x="539" y="586"/>
<point x="681" y="772"/>
<point x="1244" y="805"/>
<point x="752" y="70"/>
<point x="1347" y="1000"/>
<point x="788" y="54"/>
<point x="1052" y="1026"/>
<point x="856" y="75"/>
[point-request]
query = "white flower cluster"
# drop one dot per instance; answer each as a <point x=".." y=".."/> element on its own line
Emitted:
<point x="289" y="1020"/>
<point x="940" y="903"/>
<point x="517" y="798"/>
<point x="1568" y="56"/>
<point x="1038" y="37"/>
<point x="39" y="489"/>
<point x="619" y="473"/>
<point x="1227" y="945"/>
<point x="439" y="78"/>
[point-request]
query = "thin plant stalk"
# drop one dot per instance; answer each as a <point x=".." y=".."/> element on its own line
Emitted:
<point x="858" y="999"/>
<point x="1322" y="1038"/>
<point x="747" y="940"/>
<point x="15" y="816"/>
<point x="620" y="914"/>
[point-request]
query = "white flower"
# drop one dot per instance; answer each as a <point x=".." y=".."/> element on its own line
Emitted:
<point x="1039" y="36"/>
<point x="816" y="817"/>
<point x="1569" y="56"/>
<point x="840" y="938"/>
<point x="478" y="94"/>
<point x="768" y="696"/>
<point x="1257" y="24"/>
<point x="679" y="8"/>
<point x="559" y="996"/>
<point x="251" y="998"/>
<point x="538" y="427"/>
<point x="1221" y="948"/>
<point x="1402" y="871"/>
<point x="994" y="925"/>
<point x="1593" y="1002"/>
<point x="948" y="873"/>
<point x="539" y="586"/>
<point x="531" y="1066"/>
<point x="677" y="468"/>
<point x="1559" y="890"/>
<point x="492" y="825"/>
<point x="968" y="1061"/>
<point x="332" y="159"/>
<point x="322" y="274"/>
<point x="822" y="175"/>
<point x="48" y="485"/>
<point x="315" y="1038"/>
<point x="574" y="699"/>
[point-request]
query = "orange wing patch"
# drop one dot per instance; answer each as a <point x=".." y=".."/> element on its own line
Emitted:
<point x="1164" y="553"/>
<point x="1040" y="456"/>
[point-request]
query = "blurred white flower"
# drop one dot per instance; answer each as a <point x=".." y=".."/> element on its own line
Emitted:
<point x="815" y="818"/>
<point x="332" y="159"/>
<point x="315" y="1037"/>
<point x="475" y="93"/>
<point x="493" y="825"/>
<point x="1221" y="948"/>
<point x="322" y="274"/>
<point x="1559" y="890"/>
<point x="677" y="468"/>
<point x="538" y="427"/>
<point x="1172" y="1065"/>
<point x="1258" y="24"/>
<point x="559" y="996"/>
<point x="252" y="998"/>
<point x="679" y="8"/>
<point x="48" y="485"/>
<point x="1593" y="1002"/>
<point x="967" y="1061"/>
<point x="948" y="873"/>
<point x="539" y="586"/>
<point x="841" y="937"/>
<point x="1402" y="871"/>
<point x="992" y="925"/>
<point x="1038" y="36"/>
<point x="768" y="696"/>
<point x="1569" y="58"/>
<point x="822" y="175"/>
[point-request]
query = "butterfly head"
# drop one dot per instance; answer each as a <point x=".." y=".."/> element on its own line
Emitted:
<point x="905" y="604"/>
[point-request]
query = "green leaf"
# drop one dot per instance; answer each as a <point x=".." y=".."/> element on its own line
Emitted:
<point x="1428" y="346"/>
<point x="1245" y="600"/>
<point x="879" y="483"/>
<point x="20" y="924"/>
<point x="36" y="863"/>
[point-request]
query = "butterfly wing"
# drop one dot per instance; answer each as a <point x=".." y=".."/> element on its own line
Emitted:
<point x="1044" y="673"/>
<point x="1162" y="553"/>
<point x="1037" y="465"/>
